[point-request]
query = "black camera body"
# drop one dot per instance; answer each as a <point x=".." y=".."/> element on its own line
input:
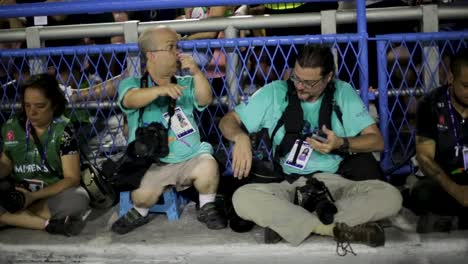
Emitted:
<point x="151" y="142"/>
<point x="315" y="197"/>
<point x="10" y="198"/>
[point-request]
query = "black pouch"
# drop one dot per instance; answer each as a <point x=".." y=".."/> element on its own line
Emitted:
<point x="360" y="167"/>
<point x="126" y="173"/>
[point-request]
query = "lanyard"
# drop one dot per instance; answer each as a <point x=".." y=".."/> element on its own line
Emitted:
<point x="454" y="124"/>
<point x="45" y="147"/>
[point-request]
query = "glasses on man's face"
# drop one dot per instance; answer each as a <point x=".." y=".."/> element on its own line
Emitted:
<point x="163" y="50"/>
<point x="306" y="83"/>
<point x="170" y="48"/>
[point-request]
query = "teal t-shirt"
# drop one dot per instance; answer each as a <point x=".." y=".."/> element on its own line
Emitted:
<point x="179" y="149"/>
<point x="265" y="107"/>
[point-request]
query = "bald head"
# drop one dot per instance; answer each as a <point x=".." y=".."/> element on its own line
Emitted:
<point x="153" y="38"/>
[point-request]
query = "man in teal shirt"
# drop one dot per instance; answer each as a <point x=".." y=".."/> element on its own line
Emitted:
<point x="189" y="161"/>
<point x="271" y="205"/>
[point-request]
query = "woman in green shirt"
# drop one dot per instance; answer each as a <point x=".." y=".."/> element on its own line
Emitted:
<point x="41" y="153"/>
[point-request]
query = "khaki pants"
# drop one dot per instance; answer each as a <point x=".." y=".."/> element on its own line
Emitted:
<point x="271" y="205"/>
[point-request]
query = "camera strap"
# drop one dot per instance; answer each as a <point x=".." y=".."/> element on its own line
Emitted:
<point x="293" y="120"/>
<point x="172" y="102"/>
<point x="40" y="148"/>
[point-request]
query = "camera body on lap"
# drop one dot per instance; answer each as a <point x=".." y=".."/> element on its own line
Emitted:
<point x="10" y="198"/>
<point x="150" y="142"/>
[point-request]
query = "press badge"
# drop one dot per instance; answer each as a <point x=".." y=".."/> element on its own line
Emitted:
<point x="180" y="124"/>
<point x="465" y="158"/>
<point x="34" y="185"/>
<point x="303" y="158"/>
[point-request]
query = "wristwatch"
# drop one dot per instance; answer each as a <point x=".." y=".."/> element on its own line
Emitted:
<point x="344" y="148"/>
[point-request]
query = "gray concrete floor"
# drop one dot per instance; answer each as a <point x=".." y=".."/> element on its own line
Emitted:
<point x="188" y="241"/>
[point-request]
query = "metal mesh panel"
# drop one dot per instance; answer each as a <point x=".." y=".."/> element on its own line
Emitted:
<point x="410" y="65"/>
<point x="236" y="68"/>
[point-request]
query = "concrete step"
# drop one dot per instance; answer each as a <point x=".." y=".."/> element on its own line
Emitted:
<point x="188" y="241"/>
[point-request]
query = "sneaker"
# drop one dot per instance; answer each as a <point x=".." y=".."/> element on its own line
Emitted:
<point x="209" y="215"/>
<point x="430" y="222"/>
<point x="131" y="220"/>
<point x="270" y="236"/>
<point x="67" y="226"/>
<point x="371" y="234"/>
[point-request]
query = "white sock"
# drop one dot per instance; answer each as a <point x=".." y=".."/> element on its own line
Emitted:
<point x="46" y="223"/>
<point x="206" y="198"/>
<point x="143" y="211"/>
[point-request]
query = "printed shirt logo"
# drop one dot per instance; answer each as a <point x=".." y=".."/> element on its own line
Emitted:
<point x="10" y="136"/>
<point x="441" y="120"/>
<point x="441" y="125"/>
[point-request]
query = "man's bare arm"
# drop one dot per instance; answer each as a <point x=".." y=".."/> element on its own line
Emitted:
<point x="425" y="154"/>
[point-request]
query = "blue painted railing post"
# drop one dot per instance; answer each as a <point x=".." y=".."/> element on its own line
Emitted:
<point x="363" y="54"/>
<point x="383" y="103"/>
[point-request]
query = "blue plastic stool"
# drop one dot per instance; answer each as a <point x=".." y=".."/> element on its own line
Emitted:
<point x="173" y="204"/>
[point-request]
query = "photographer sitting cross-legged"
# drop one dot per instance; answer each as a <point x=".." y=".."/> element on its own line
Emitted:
<point x="357" y="204"/>
<point x="159" y="99"/>
<point x="40" y="155"/>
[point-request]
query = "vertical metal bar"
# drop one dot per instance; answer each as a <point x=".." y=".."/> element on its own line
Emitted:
<point x="232" y="67"/>
<point x="361" y="16"/>
<point x="328" y="26"/>
<point x="363" y="55"/>
<point x="133" y="59"/>
<point x="430" y="23"/>
<point x="37" y="65"/>
<point x="386" y="157"/>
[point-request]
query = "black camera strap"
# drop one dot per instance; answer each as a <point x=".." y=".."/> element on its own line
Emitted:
<point x="172" y="102"/>
<point x="40" y="148"/>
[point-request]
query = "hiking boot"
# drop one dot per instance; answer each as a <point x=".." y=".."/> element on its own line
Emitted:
<point x="430" y="222"/>
<point x="209" y="215"/>
<point x="371" y="234"/>
<point x="65" y="226"/>
<point x="270" y="236"/>
<point x="131" y="220"/>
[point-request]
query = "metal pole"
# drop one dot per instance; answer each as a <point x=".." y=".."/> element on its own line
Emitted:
<point x="363" y="56"/>
<point x="232" y="67"/>
<point x="386" y="159"/>
<point x="133" y="58"/>
<point x="430" y="23"/>
<point x="37" y="64"/>
<point x="239" y="22"/>
<point x="328" y="26"/>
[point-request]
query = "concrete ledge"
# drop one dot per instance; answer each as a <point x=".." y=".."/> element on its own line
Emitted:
<point x="188" y="241"/>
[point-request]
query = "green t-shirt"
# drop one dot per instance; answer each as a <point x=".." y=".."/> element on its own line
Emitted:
<point x="27" y="162"/>
<point x="179" y="149"/>
<point x="265" y="107"/>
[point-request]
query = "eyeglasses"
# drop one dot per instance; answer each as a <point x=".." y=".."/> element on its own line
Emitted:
<point x="157" y="50"/>
<point x="307" y="83"/>
<point x="169" y="48"/>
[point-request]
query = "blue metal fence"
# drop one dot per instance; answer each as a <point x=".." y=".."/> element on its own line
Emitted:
<point x="403" y="80"/>
<point x="81" y="68"/>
